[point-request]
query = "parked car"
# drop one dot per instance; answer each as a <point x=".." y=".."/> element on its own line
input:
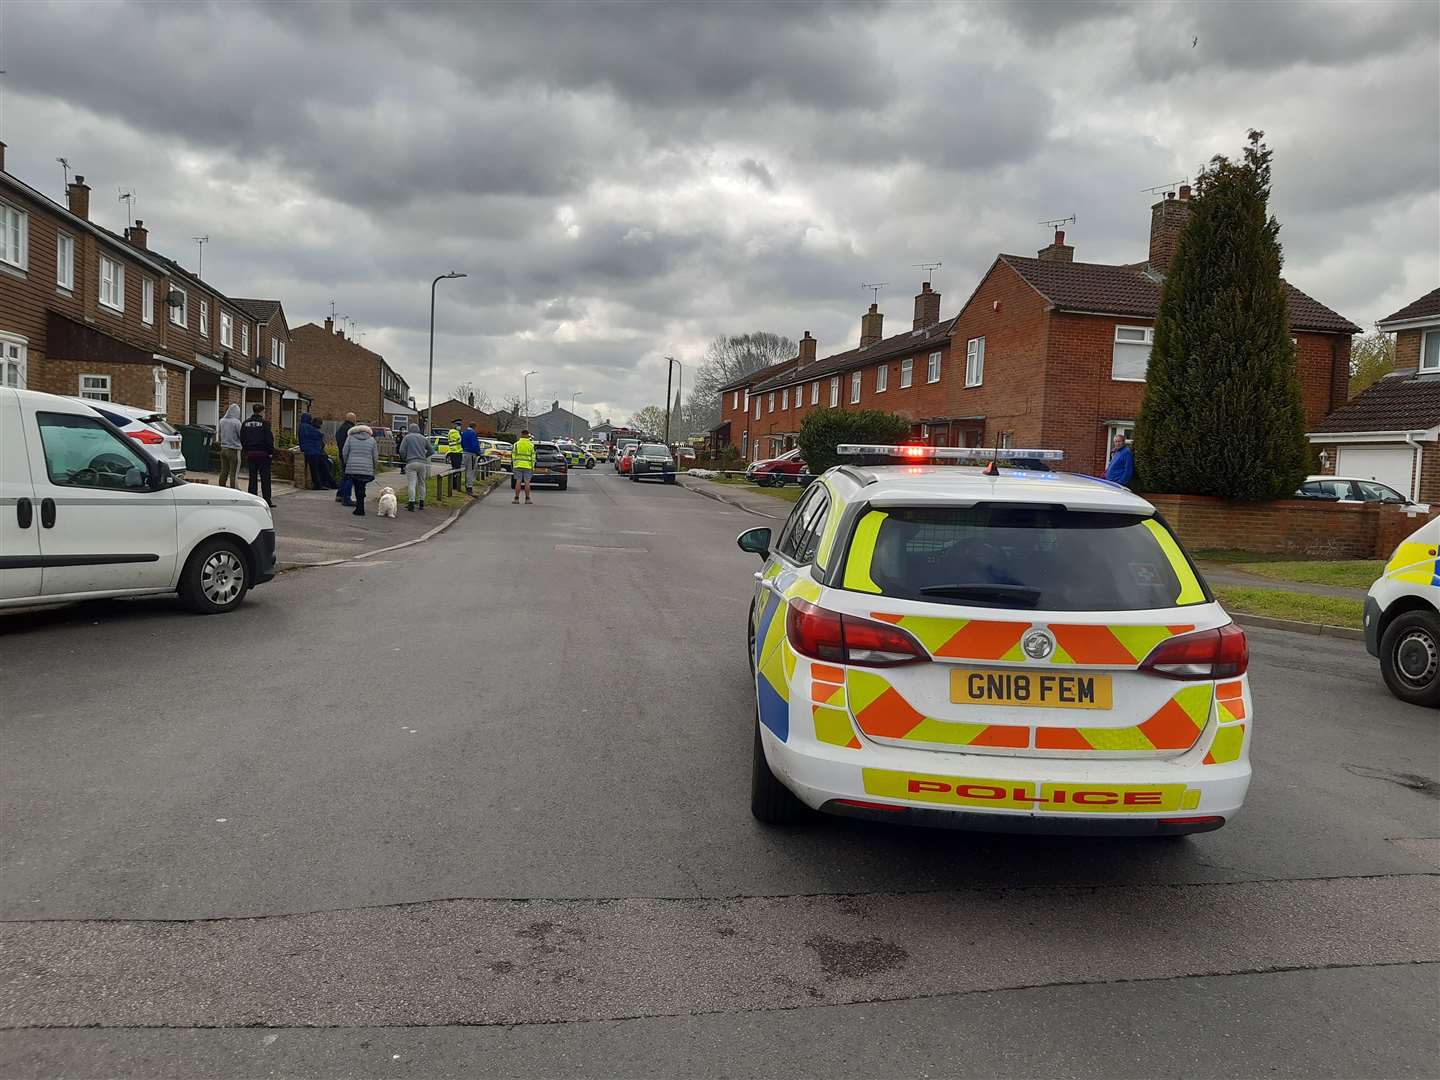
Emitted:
<point x="653" y="460"/>
<point x="684" y="453"/>
<point x="550" y="467"/>
<point x="1356" y="489"/>
<point x="146" y="427"/>
<point x="90" y="513"/>
<point x="776" y="471"/>
<point x="1402" y="618"/>
<point x="624" y="460"/>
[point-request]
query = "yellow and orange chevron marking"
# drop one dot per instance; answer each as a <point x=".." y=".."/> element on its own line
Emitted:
<point x="832" y="719"/>
<point x="984" y="639"/>
<point x="1230" y="736"/>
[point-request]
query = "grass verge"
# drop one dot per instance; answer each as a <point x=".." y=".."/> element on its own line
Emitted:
<point x="1357" y="573"/>
<point x="1298" y="607"/>
<point x="790" y="492"/>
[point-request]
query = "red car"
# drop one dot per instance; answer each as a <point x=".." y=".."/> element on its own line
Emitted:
<point x="773" y="472"/>
<point x="623" y="465"/>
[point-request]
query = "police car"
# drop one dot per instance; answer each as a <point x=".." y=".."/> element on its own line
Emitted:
<point x="1005" y="649"/>
<point x="1402" y="618"/>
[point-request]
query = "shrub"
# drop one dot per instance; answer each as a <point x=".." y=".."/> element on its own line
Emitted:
<point x="823" y="430"/>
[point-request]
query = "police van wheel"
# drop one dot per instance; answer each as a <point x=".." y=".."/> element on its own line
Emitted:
<point x="770" y="800"/>
<point x="215" y="579"/>
<point x="1410" y="658"/>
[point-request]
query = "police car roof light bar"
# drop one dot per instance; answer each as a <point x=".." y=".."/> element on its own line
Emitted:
<point x="976" y="455"/>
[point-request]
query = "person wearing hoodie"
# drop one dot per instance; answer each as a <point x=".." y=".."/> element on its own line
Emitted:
<point x="312" y="444"/>
<point x="258" y="442"/>
<point x="415" y="451"/>
<point x="360" y="460"/>
<point x="230" y="447"/>
<point x="342" y="495"/>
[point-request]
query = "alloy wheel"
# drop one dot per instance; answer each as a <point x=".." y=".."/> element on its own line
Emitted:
<point x="222" y="577"/>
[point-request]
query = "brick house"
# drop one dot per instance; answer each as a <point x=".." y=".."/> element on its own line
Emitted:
<point x="558" y="423"/>
<point x="117" y="321"/>
<point x="1391" y="431"/>
<point x="734" y="427"/>
<point x="344" y="376"/>
<point x="453" y="409"/>
<point x="1046" y="352"/>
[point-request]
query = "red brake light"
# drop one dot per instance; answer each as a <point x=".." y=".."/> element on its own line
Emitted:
<point x="1210" y="654"/>
<point x="847" y="639"/>
<point x="146" y="436"/>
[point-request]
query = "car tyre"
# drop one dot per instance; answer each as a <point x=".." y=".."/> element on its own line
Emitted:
<point x="669" y="478"/>
<point x="750" y="636"/>
<point x="770" y="800"/>
<point x="564" y="484"/>
<point x="1410" y="657"/>
<point x="216" y="578"/>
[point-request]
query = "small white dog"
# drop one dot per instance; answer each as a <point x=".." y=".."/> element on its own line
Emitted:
<point x="388" y="503"/>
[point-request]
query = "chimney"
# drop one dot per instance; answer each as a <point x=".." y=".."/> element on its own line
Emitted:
<point x="1167" y="219"/>
<point x="329" y="325"/>
<point x="927" y="307"/>
<point x="1059" y="251"/>
<point x="807" y="351"/>
<point x="138" y="235"/>
<point x="77" y="198"/>
<point x="870" y="326"/>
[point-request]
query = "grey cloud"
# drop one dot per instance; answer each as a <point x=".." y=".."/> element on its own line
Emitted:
<point x="757" y="171"/>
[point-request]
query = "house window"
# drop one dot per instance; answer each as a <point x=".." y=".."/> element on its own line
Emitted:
<point x="855" y="388"/>
<point x="975" y="361"/>
<point x="907" y="372"/>
<point x="834" y="390"/>
<point x="14" y="236"/>
<point x="932" y="368"/>
<point x="204" y="318"/>
<point x="65" y="261"/>
<point x="735" y="399"/>
<point x="815" y="392"/>
<point x="1007" y="440"/>
<point x="12" y="360"/>
<point x="770" y="405"/>
<point x="747" y="399"/>
<point x="745" y="444"/>
<point x="882" y="378"/>
<point x="147" y="300"/>
<point x="785" y="398"/>
<point x="757" y="408"/>
<point x="244" y="339"/>
<point x="1132" y="352"/>
<point x="277" y="352"/>
<point x="1430" y="351"/>
<point x="180" y="313"/>
<point x="112" y="285"/>
<point x="227" y="329"/>
<point x="162" y="391"/>
<point x="95" y="387"/>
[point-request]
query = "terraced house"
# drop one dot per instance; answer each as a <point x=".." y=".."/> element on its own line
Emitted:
<point x="87" y="312"/>
<point x="1046" y="351"/>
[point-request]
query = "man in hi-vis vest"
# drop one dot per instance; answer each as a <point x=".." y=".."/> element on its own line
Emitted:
<point x="522" y="464"/>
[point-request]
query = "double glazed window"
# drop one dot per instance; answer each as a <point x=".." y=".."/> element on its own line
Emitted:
<point x="204" y="318"/>
<point x="1131" y="355"/>
<point x="907" y="372"/>
<point x="64" y="261"/>
<point x="815" y="392"/>
<point x="180" y="313"/>
<point x="785" y="398"/>
<point x="227" y="330"/>
<point x="12" y="361"/>
<point x="834" y="391"/>
<point x="112" y="284"/>
<point x="882" y="378"/>
<point x="95" y="387"/>
<point x="14" y="236"/>
<point x="855" y="388"/>
<point x="975" y="361"/>
<point x="932" y="368"/>
<point x="147" y="300"/>
<point x="1430" y="351"/>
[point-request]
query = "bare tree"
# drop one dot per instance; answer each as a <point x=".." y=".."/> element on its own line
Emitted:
<point x="507" y="415"/>
<point x="472" y="396"/>
<point x="650" y="420"/>
<point x="728" y="358"/>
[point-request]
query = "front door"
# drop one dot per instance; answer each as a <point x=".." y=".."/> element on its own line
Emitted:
<point x="101" y="527"/>
<point x="19" y="516"/>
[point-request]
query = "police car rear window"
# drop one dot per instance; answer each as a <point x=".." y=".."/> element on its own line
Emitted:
<point x="1021" y="558"/>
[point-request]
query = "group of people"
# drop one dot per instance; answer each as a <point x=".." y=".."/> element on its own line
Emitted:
<point x="255" y="440"/>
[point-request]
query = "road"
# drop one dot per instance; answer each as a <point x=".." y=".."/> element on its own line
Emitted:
<point x="480" y="808"/>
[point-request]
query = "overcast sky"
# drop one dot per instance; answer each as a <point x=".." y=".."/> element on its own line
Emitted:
<point x="622" y="181"/>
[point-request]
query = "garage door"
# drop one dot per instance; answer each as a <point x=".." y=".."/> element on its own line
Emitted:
<point x="1393" y="465"/>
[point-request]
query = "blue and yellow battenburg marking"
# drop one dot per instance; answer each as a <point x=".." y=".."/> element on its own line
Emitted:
<point x="1415" y="564"/>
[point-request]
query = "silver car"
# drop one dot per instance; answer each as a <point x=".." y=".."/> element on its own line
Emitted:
<point x="147" y="427"/>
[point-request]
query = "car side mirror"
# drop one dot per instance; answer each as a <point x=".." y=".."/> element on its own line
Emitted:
<point x="160" y="476"/>
<point x="756" y="541"/>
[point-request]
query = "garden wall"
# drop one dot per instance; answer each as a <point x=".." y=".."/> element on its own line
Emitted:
<point x="1298" y="527"/>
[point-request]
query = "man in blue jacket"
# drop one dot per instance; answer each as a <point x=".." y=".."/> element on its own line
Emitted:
<point x="311" y="437"/>
<point x="1122" y="463"/>
<point x="470" y="447"/>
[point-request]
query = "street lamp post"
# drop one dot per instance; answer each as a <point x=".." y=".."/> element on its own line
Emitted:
<point x="525" y="405"/>
<point x="673" y="363"/>
<point x="573" y="396"/>
<point x="430" y="381"/>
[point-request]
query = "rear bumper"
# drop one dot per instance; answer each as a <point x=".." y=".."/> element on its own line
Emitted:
<point x="262" y="552"/>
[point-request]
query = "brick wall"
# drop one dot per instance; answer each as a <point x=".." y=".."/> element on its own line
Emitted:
<point x="342" y="375"/>
<point x="1407" y="349"/>
<point x="1288" y="526"/>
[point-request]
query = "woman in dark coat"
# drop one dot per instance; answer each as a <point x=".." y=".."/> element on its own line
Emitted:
<point x="312" y="444"/>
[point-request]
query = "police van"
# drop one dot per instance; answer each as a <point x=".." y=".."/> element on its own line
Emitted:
<point x="1402" y="618"/>
<point x="1008" y="649"/>
<point x="86" y="513"/>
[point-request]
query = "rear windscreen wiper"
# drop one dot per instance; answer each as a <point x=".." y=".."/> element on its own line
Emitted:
<point x="984" y="592"/>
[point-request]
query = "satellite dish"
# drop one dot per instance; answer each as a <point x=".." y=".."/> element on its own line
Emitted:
<point x="174" y="298"/>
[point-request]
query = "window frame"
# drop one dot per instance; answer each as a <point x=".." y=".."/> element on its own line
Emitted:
<point x="1117" y="342"/>
<point x="204" y="316"/>
<point x="932" y="367"/>
<point x="882" y="378"/>
<point x="834" y="391"/>
<point x="81" y="392"/>
<point x="855" y="377"/>
<point x="815" y="392"/>
<point x="816" y="501"/>
<point x="975" y="361"/>
<point x="162" y="390"/>
<point x="180" y="315"/>
<point x="147" y="301"/>
<point x="117" y="285"/>
<point x="1425" y="336"/>
<point x="64" y="267"/>
<point x="758" y="403"/>
<point x="277" y="353"/>
<point x="21" y="361"/>
<point x="244" y="338"/>
<point x="784" y="398"/>
<point x="72" y="420"/>
<point x="227" y="329"/>
<point x="907" y="373"/>
<point x="21" y="261"/>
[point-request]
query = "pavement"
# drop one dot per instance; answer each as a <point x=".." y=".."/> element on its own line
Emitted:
<point x="481" y="808"/>
<point x="741" y="498"/>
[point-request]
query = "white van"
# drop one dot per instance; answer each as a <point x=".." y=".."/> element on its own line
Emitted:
<point x="85" y="512"/>
<point x="1402" y="618"/>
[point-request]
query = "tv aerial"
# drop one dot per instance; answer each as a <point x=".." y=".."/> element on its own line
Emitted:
<point x="875" y="287"/>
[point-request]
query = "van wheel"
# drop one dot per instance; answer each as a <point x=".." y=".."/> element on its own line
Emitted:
<point x="216" y="578"/>
<point x="1410" y="658"/>
<point x="770" y="800"/>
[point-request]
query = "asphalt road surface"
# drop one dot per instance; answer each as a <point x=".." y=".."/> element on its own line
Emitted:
<point x="479" y="807"/>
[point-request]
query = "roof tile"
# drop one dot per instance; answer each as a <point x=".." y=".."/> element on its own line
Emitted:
<point x="895" y="345"/>
<point x="1394" y="403"/>
<point x="1428" y="306"/>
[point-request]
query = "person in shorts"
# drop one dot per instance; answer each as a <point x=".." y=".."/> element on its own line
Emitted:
<point x="522" y="464"/>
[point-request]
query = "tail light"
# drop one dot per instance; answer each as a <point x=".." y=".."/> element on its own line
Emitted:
<point x="146" y="436"/>
<point x="1209" y="654"/>
<point x="827" y="635"/>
